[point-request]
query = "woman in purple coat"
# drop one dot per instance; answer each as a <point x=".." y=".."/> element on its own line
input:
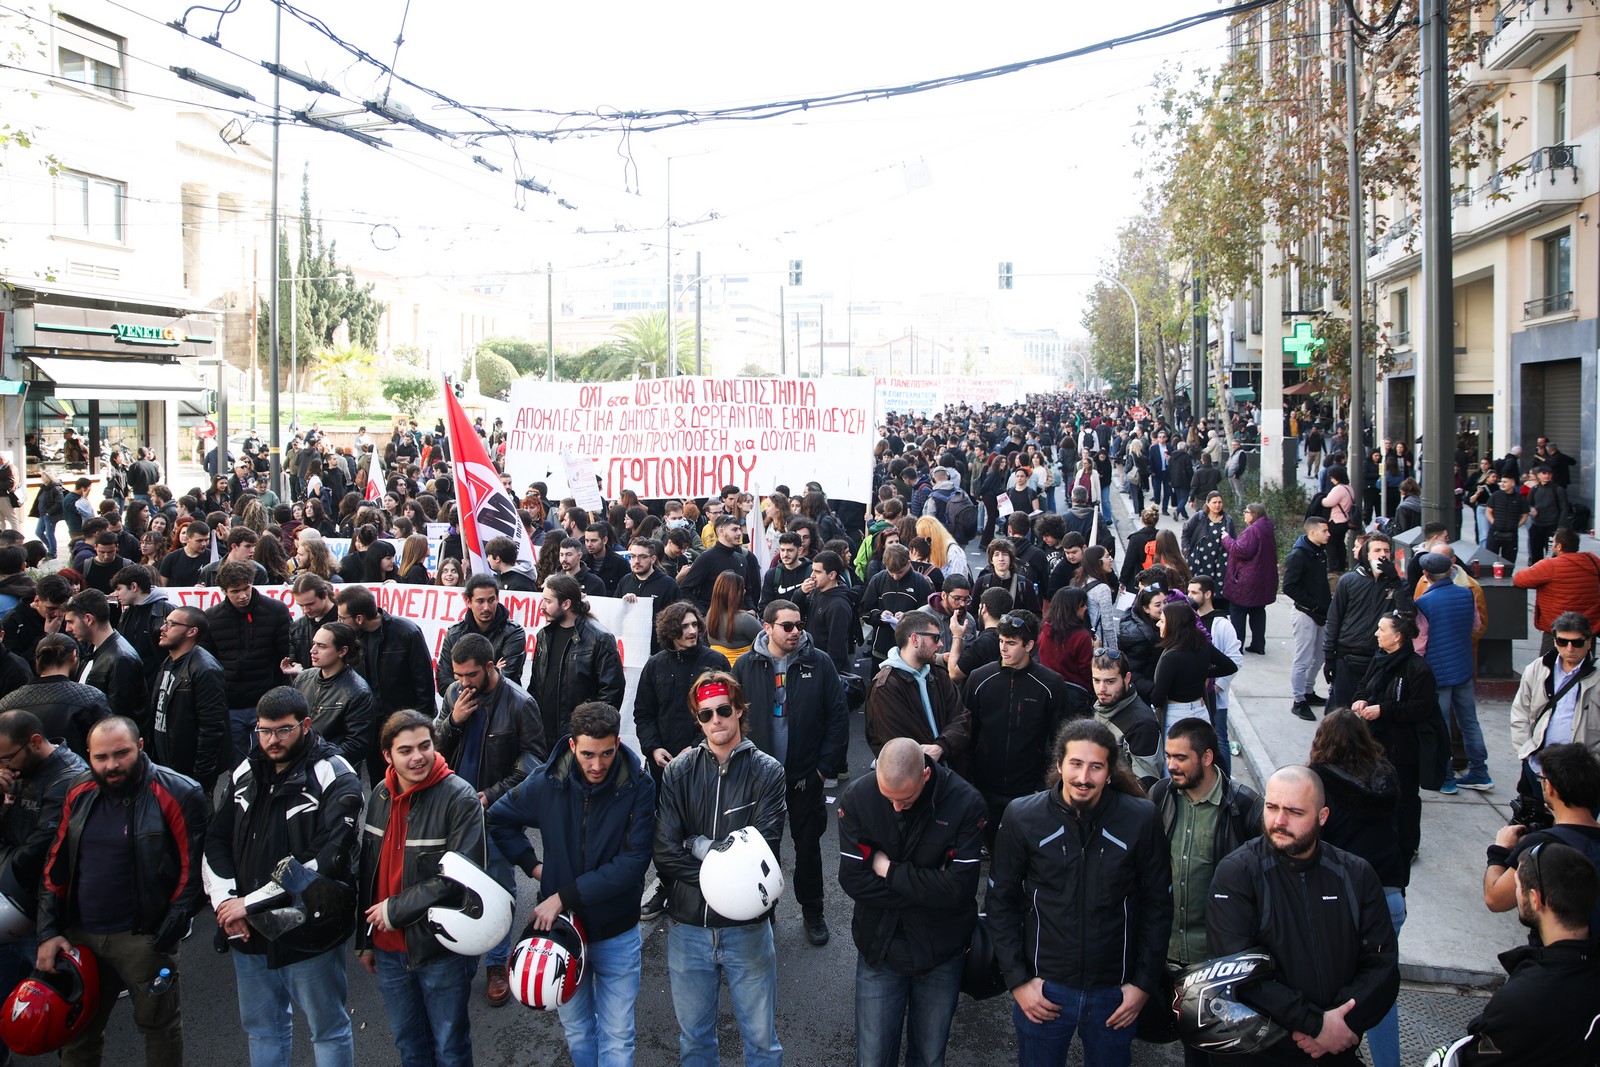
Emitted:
<point x="1252" y="579"/>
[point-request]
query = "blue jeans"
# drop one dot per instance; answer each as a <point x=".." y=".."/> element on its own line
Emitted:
<point x="1384" y="1039"/>
<point x="887" y="1003"/>
<point x="500" y="870"/>
<point x="1083" y="1011"/>
<point x="1459" y="704"/>
<point x="242" y="728"/>
<point x="599" y="1017"/>
<point x="696" y="957"/>
<point x="45" y="531"/>
<point x="1105" y="502"/>
<point x="1050" y="499"/>
<point x="427" y="1008"/>
<point x="267" y="999"/>
<point x="1481" y="512"/>
<point x="16" y="963"/>
<point x="1180" y="502"/>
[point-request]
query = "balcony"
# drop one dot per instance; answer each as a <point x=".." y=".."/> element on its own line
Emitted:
<point x="1398" y="244"/>
<point x="1542" y="183"/>
<point x="1399" y="339"/>
<point x="1554" y="304"/>
<point x="1525" y="31"/>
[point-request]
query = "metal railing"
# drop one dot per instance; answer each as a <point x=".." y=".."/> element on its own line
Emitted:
<point x="1552" y="304"/>
<point x="1399" y="338"/>
<point x="1508" y="11"/>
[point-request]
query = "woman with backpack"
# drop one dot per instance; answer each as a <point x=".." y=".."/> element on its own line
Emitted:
<point x="1097" y="579"/>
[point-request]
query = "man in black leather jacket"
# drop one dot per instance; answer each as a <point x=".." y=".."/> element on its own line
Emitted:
<point x="1366" y="591"/>
<point x="394" y="661"/>
<point x="313" y="594"/>
<point x="340" y="701"/>
<point x="145" y="890"/>
<point x="190" y="702"/>
<point x="484" y="615"/>
<point x="114" y="667"/>
<point x="492" y="735"/>
<point x="575" y="659"/>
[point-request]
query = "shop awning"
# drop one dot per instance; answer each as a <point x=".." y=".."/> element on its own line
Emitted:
<point x="118" y="379"/>
<point x="1305" y="388"/>
<point x="1243" y="393"/>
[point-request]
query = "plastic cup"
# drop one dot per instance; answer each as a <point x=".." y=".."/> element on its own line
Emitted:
<point x="1499" y="569"/>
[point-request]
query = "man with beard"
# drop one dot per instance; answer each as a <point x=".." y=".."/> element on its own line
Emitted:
<point x="190" y="701"/>
<point x="797" y="715"/>
<point x="1321" y="914"/>
<point x="724" y="554"/>
<point x="786" y="576"/>
<point x="1118" y="704"/>
<point x="297" y="798"/>
<point x="139" y="828"/>
<point x="891" y="594"/>
<point x="575" y="659"/>
<point x="484" y="615"/>
<point x="339" y="700"/>
<point x="645" y="578"/>
<point x="1079" y="924"/>
<point x="573" y="566"/>
<point x="108" y="662"/>
<point x="1369" y="589"/>
<point x="598" y="555"/>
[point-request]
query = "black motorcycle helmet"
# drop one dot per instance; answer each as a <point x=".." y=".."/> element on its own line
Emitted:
<point x="1212" y="1018"/>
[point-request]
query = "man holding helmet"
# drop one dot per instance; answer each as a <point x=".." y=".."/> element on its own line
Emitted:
<point x="419" y="803"/>
<point x="710" y="793"/>
<point x="297" y="798"/>
<point x="1320" y="913"/>
<point x="594" y="806"/>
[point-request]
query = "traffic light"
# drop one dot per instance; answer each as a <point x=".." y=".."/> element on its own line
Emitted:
<point x="1005" y="274"/>
<point x="459" y="391"/>
<point x="795" y="271"/>
<point x="1134" y="391"/>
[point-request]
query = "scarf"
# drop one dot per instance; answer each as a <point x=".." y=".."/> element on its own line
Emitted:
<point x="894" y="660"/>
<point x="392" y="854"/>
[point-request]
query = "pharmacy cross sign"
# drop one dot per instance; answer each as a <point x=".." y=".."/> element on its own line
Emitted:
<point x="1301" y="345"/>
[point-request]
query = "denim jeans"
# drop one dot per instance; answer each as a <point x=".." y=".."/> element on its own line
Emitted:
<point x="1083" y="1011"/>
<point x="598" y="1019"/>
<point x="1482" y="513"/>
<point x="501" y="871"/>
<point x="16" y="963"/>
<point x="1180" y="502"/>
<point x="887" y="1003"/>
<point x="242" y="728"/>
<point x="1105" y="502"/>
<point x="1459" y="704"/>
<point x="1050" y="499"/>
<point x="427" y="1008"/>
<point x="45" y="531"/>
<point x="697" y="957"/>
<point x="1384" y="1039"/>
<point x="268" y="997"/>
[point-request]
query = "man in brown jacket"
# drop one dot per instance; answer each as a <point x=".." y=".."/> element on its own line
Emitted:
<point x="912" y="696"/>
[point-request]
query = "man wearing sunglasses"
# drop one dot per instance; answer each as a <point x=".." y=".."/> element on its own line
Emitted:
<point x="723" y="784"/>
<point x="1558" y="699"/>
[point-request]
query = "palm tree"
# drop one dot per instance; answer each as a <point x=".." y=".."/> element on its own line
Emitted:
<point x="345" y="373"/>
<point x="641" y="344"/>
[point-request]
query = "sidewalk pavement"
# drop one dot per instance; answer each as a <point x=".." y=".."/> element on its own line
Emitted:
<point x="1449" y="936"/>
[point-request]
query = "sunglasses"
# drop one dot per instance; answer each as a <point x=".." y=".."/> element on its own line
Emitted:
<point x="1112" y="654"/>
<point x="787" y="627"/>
<point x="721" y="711"/>
<point x="1570" y="642"/>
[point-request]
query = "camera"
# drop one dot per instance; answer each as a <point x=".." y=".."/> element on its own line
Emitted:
<point x="1531" y="812"/>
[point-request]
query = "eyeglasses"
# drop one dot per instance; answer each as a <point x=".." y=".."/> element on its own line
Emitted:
<point x="1570" y="642"/>
<point x="173" y="624"/>
<point x="721" y="711"/>
<point x="6" y="759"/>
<point x="282" y="733"/>
<point x="787" y="627"/>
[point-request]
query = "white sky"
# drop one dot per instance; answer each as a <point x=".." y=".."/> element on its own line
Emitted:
<point x="1036" y="167"/>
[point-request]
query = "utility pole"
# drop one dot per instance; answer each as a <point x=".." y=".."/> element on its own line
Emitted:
<point x="822" y="341"/>
<point x="294" y="345"/>
<point x="550" y="317"/>
<point x="1198" y="362"/>
<point x="1436" y="381"/>
<point x="1356" y="449"/>
<point x="274" y="450"/>
<point x="699" y="339"/>
<point x="783" y="338"/>
<point x="799" y="352"/>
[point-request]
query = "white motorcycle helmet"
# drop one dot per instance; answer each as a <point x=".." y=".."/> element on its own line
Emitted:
<point x="483" y="918"/>
<point x="740" y="877"/>
<point x="14" y="922"/>
<point x="546" y="966"/>
<point x="1447" y="1055"/>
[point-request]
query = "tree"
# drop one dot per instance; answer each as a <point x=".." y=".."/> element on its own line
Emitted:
<point x="641" y="347"/>
<point x="408" y="392"/>
<point x="345" y="373"/>
<point x="525" y="356"/>
<point x="1145" y="263"/>
<point x="494" y="373"/>
<point x="409" y="355"/>
<point x="755" y="370"/>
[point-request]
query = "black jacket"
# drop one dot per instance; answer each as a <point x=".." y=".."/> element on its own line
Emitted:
<point x="28" y="824"/>
<point x="1357" y="602"/>
<point x="14" y="673"/>
<point x="886" y="593"/>
<point x="830" y="622"/>
<point x="922" y="912"/>
<point x="513" y="737"/>
<point x="701" y="798"/>
<point x="65" y="708"/>
<point x="661" y="703"/>
<point x="1305" y="579"/>
<point x="509" y="639"/>
<point x="342" y="710"/>
<point x="23" y="628"/>
<point x="1409" y="725"/>
<point x="117" y="671"/>
<point x="1084" y="901"/>
<point x="1207" y="476"/>
<point x="819" y="723"/>
<point x="696" y="582"/>
<point x="190" y="732"/>
<point x="304" y="629"/>
<point x="169" y="831"/>
<point x="590" y="670"/>
<point x="781" y="583"/>
<point x="1180" y="470"/>
<point x="311" y="811"/>
<point x="611" y="568"/>
<point x="1014" y="715"/>
<point x="1133" y="556"/>
<point x="1361" y="818"/>
<point x="1139" y="641"/>
<point x="250" y="644"/>
<point x="141" y="626"/>
<point x="662" y="590"/>
<point x="1326" y="924"/>
<point x="1544" y="1013"/>
<point x="396" y="664"/>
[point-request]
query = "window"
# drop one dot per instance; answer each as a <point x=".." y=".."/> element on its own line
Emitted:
<point x="91" y="207"/>
<point x="1401" y="303"/>
<point x="1553" y="108"/>
<point x="89" y="56"/>
<point x="1557" y="263"/>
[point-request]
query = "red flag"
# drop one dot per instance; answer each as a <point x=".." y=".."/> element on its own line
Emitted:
<point x="374" y="476"/>
<point x="486" y="509"/>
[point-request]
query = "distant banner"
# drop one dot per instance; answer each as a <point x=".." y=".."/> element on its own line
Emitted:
<point x="436" y="608"/>
<point x="927" y="396"/>
<point x="689" y="437"/>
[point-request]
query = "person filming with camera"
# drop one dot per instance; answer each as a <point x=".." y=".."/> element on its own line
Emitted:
<point x="1570" y="781"/>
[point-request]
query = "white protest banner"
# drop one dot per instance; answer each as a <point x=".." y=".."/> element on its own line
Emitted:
<point x="581" y="480"/>
<point x="910" y="396"/>
<point x="339" y="547"/>
<point x="437" y="531"/>
<point x="932" y="395"/>
<point x="435" y="608"/>
<point x="689" y="436"/>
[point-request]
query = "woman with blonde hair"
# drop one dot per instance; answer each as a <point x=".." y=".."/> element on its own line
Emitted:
<point x="943" y="552"/>
<point x="312" y="556"/>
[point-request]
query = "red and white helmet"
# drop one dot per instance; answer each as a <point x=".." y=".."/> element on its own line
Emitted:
<point x="50" y="1008"/>
<point x="546" y="966"/>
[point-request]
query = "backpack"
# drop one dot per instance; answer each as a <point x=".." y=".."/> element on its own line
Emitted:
<point x="960" y="514"/>
<point x="1145" y="768"/>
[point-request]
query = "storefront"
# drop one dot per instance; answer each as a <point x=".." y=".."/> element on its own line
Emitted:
<point x="98" y="374"/>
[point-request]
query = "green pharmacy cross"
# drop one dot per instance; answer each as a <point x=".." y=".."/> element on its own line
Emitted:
<point x="1301" y="345"/>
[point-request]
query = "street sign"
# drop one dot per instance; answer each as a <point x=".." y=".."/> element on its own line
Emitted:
<point x="1301" y="344"/>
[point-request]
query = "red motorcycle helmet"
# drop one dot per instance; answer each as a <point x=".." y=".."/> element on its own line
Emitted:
<point x="50" y="1008"/>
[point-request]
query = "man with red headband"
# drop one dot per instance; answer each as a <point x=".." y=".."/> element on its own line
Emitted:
<point x="723" y="784"/>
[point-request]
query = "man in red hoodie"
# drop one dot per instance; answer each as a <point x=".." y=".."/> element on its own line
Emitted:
<point x="419" y="803"/>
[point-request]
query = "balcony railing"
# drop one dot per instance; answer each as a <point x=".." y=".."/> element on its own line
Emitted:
<point x="1398" y="230"/>
<point x="1553" y="304"/>
<point x="1527" y="30"/>
<point x="1400" y="338"/>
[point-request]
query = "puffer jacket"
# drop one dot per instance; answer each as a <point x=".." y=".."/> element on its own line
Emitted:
<point x="895" y="709"/>
<point x="445" y="816"/>
<point x="596" y="838"/>
<point x="660" y="704"/>
<point x="65" y="708"/>
<point x="250" y="644"/>
<point x="1568" y="582"/>
<point x="190" y="731"/>
<point x="1014" y="715"/>
<point x="28" y="824"/>
<point x="702" y="798"/>
<point x="513" y="736"/>
<point x="590" y="670"/>
<point x="140" y="624"/>
<point x="311" y="811"/>
<point x="1139" y="641"/>
<point x="1252" y="579"/>
<point x="169" y="831"/>
<point x="1450" y="614"/>
<point x="1084" y="901"/>
<point x="922" y="912"/>
<point x="819" y="722"/>
<point x="509" y="639"/>
<point x="342" y="711"/>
